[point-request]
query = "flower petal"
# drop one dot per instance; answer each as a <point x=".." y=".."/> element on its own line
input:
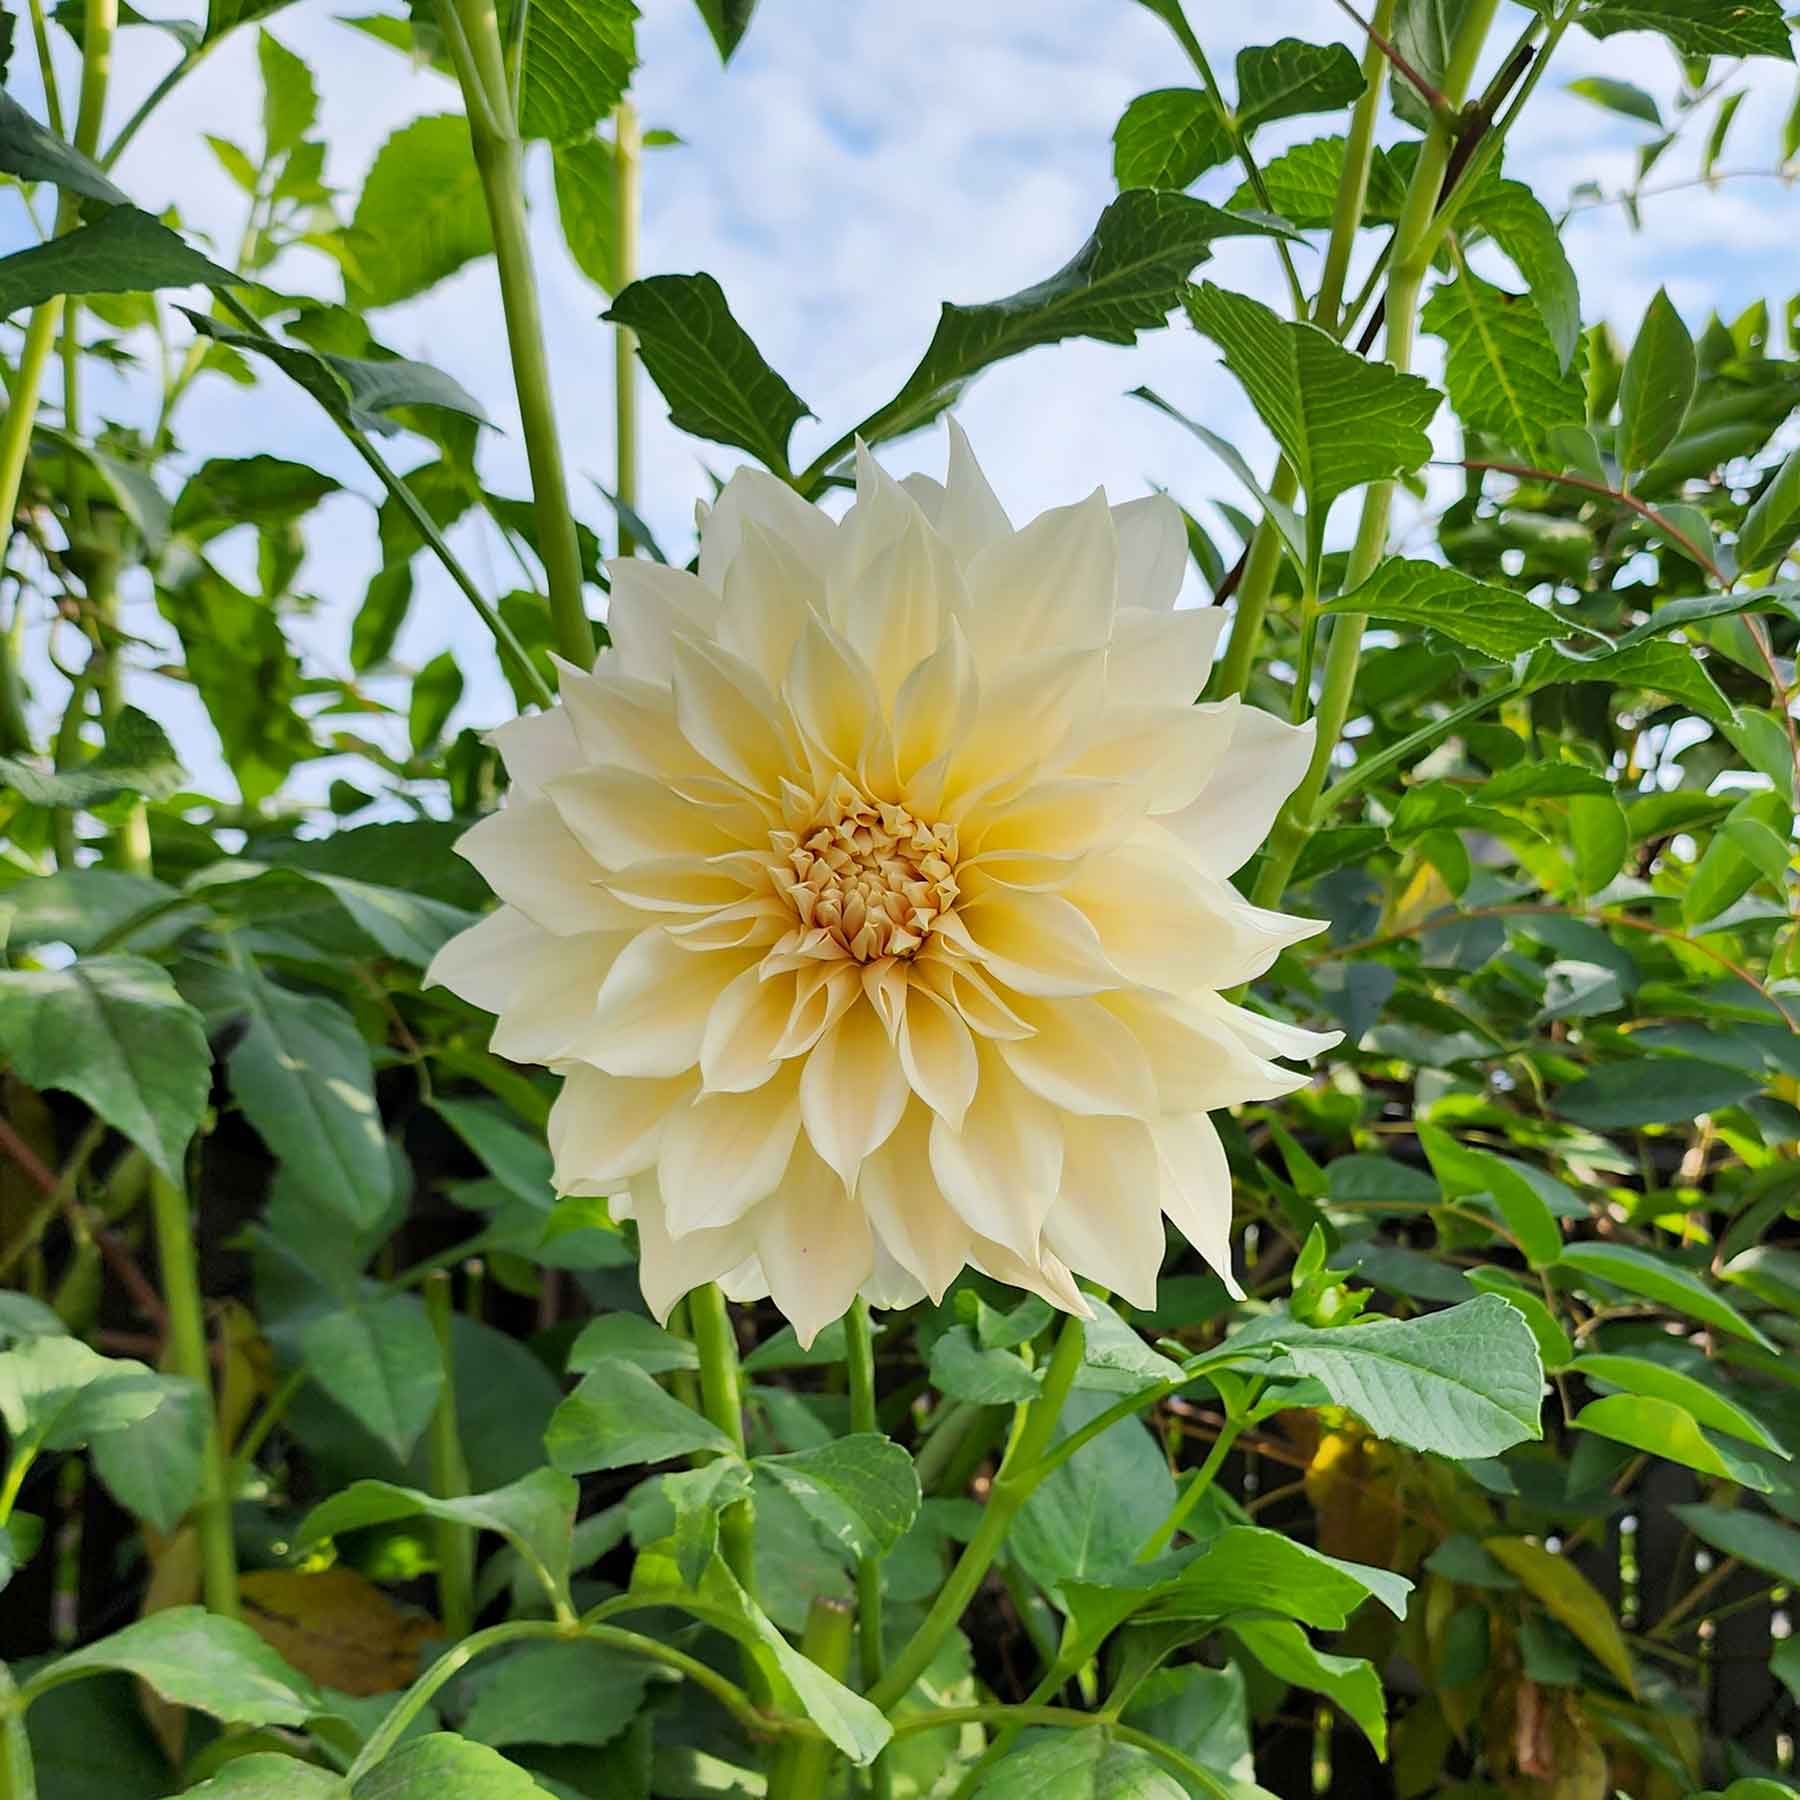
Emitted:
<point x="1162" y="658"/>
<point x="1199" y="1061"/>
<point x="971" y="517"/>
<point x="647" y="603"/>
<point x="1082" y="1059"/>
<point x="486" y="963"/>
<point x="534" y="747"/>
<point x="1107" y="1221"/>
<point x="852" y="1091"/>
<point x="622" y="817"/>
<point x="724" y="1153"/>
<point x="747" y="1021"/>
<point x="1054" y="582"/>
<point x="911" y="1218"/>
<point x="770" y="592"/>
<point x="527" y="853"/>
<point x="815" y="1248"/>
<point x="1196" y="1188"/>
<point x="670" y="1267"/>
<point x="1000" y="1170"/>
<point x="728" y="713"/>
<point x="937" y="703"/>
<point x="604" y="1129"/>
<point x="753" y="497"/>
<point x="937" y="1052"/>
<point x="1227" y="823"/>
<point x="1036" y="943"/>
<point x="652" y="1009"/>
<point x="619" y="719"/>
<point x="551" y="1009"/>
<point x="833" y="700"/>
<point x="894" y="614"/>
<point x="1153" y="551"/>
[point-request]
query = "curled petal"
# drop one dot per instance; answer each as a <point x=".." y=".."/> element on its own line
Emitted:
<point x="1232" y="814"/>
<point x="816" y="1249"/>
<point x="1196" y="1188"/>
<point x="852" y="1092"/>
<point x="925" y="1235"/>
<point x="937" y="1052"/>
<point x="604" y="1129"/>
<point x="1153" y="551"/>
<point x="669" y="1267"/>
<point x="737" y="1050"/>
<point x="526" y="852"/>
<point x="1103" y="1222"/>
<point x="652" y="1008"/>
<point x="724" y="1153"/>
<point x="1000" y="1170"/>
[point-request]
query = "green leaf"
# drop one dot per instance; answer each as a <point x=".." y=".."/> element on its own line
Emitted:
<point x="301" y="1073"/>
<point x="1287" y="79"/>
<point x="1751" y="1537"/>
<point x="1754" y="840"/>
<point x="579" y="55"/>
<point x="1663" y="668"/>
<point x="1168" y="139"/>
<point x="1463" y="1382"/>
<point x="195" y="1658"/>
<point x="232" y="490"/>
<point x="1652" y="1090"/>
<point x="1552" y="1340"/>
<point x="33" y="153"/>
<point x="1126" y="278"/>
<point x="1339" y="419"/>
<point x="1348" y="1681"/>
<point x="1658" y="386"/>
<point x="713" y="377"/>
<point x="964" y="1371"/>
<point x="1698" y="27"/>
<point x="1465" y="1170"/>
<point x="1654" y="1277"/>
<point x="421" y="215"/>
<point x="587" y="205"/>
<point x="698" y="1497"/>
<point x="137" y="758"/>
<point x="618" y="1416"/>
<point x="290" y="101"/>
<point x="1517" y="220"/>
<point x="1492" y="621"/>
<point x="1303" y="185"/>
<point x="1502" y="368"/>
<point x="270" y="1778"/>
<point x="23" y="1318"/>
<point x="862" y="1491"/>
<point x="535" y="1514"/>
<point x="152" y="1466"/>
<point x="435" y="691"/>
<point x="1618" y="96"/>
<point x="1247" y="1569"/>
<point x="380" y="1361"/>
<point x="56" y="1393"/>
<point x="1639" y="1375"/>
<point x="628" y="1337"/>
<point x="1773" y="523"/>
<point x="1077" y="1765"/>
<point x="1569" y="1598"/>
<point x="124" y="251"/>
<point x="1666" y="1429"/>
<point x="1599" y="839"/>
<point x="1425" y="33"/>
<point x="1462" y="1559"/>
<point x="439" y="1765"/>
<point x="727" y="20"/>
<point x="1116" y="1360"/>
<point x="557" y="1694"/>
<point x="113" y="1030"/>
<point x="225" y="15"/>
<point x="1771" y="1274"/>
<point x="1203" y="1713"/>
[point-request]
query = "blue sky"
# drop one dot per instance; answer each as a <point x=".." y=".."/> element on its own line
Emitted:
<point x="855" y="165"/>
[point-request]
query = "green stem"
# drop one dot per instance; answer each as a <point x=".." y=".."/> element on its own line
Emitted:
<point x="722" y="1400"/>
<point x="1253" y="593"/>
<point x="947" y="1429"/>
<point x="24" y="1454"/>
<point x="1412" y="260"/>
<point x="449" y="1476"/>
<point x="18" y="1775"/>
<point x="190" y="61"/>
<point x="187" y="1356"/>
<point x="15" y="728"/>
<point x="1019" y="1474"/>
<point x="1164" y="1535"/>
<point x="473" y="30"/>
<point x="627" y="164"/>
<point x="859" y="1340"/>
<point x="804" y="1764"/>
<point x="1353" y="186"/>
<point x="273" y="1411"/>
<point x="1371" y="768"/>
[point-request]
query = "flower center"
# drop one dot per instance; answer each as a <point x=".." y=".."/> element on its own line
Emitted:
<point x="867" y="879"/>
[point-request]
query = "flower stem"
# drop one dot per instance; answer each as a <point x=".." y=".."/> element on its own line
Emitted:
<point x="803" y="1764"/>
<point x="18" y="1775"/>
<point x="859" y="1342"/>
<point x="449" y="1476"/>
<point x="1164" y="1535"/>
<point x="627" y="165"/>
<point x="187" y="1356"/>
<point x="472" y="31"/>
<point x="722" y="1400"/>
<point x="1017" y="1479"/>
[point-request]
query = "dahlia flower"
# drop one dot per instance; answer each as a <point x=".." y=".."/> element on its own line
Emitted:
<point x="870" y="896"/>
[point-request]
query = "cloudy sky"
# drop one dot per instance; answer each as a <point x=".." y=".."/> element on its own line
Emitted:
<point x="854" y="166"/>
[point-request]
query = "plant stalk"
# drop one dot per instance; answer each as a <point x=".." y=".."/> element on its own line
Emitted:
<point x="449" y="1476"/>
<point x="627" y="170"/>
<point x="722" y="1400"/>
<point x="18" y="1774"/>
<point x="803" y="1765"/>
<point x="187" y="1356"/>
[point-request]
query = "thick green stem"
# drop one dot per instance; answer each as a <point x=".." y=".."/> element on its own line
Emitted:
<point x="18" y="1776"/>
<point x="473" y="31"/>
<point x="1253" y="593"/>
<point x="859" y="1340"/>
<point x="455" y="1543"/>
<point x="627" y="164"/>
<point x="1412" y="260"/>
<point x="1018" y="1477"/>
<point x="722" y="1400"/>
<point x="187" y="1356"/>
<point x="803" y="1765"/>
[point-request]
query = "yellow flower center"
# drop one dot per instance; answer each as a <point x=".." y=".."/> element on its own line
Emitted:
<point x="867" y="879"/>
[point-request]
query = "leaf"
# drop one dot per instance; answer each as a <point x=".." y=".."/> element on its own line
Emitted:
<point x="628" y="1337"/>
<point x="152" y="1466"/>
<point x="1663" y="668"/>
<point x="579" y="55"/>
<point x="124" y="251"/>
<point x="1425" y="34"/>
<point x="1303" y="183"/>
<point x="1751" y="1537"/>
<point x="1465" y="1170"/>
<point x="301" y="1073"/>
<point x="137" y="758"/>
<point x="34" y="153"/>
<point x="1077" y="1765"/>
<point x="1652" y="1090"/>
<point x="1502" y="369"/>
<point x="1492" y="621"/>
<point x="1202" y="1712"/>
<point x="1126" y="278"/>
<point x="964" y="1371"/>
<point x="587" y="205"/>
<point x="22" y="1318"/>
<point x="380" y="1361"/>
<point x="1339" y="419"/>
<point x="1569" y="1598"/>
<point x="1657" y="1278"/>
<point x="557" y="1694"/>
<point x="225" y="15"/>
<point x="290" y="101"/>
<point x="439" y="1765"/>
<point x="1754" y="840"/>
<point x="421" y="215"/>
<point x="261" y="1777"/>
<point x="113" y="1030"/>
<point x="1665" y="1428"/>
<point x="1658" y="386"/>
<point x="1244" y="1568"/>
<point x="1116" y="1360"/>
<point x="195" y="1658"/>
<point x="56" y="1393"/>
<point x="1773" y="523"/>
<point x="1348" y="1681"/>
<point x="862" y="1490"/>
<point x="618" y="1416"/>
<point x="1552" y="1340"/>
<point x="1698" y="27"/>
<point x="338" y="1627"/>
<point x="535" y="1514"/>
<point x="1599" y="839"/>
<point x="713" y="377"/>
<point x="1513" y="216"/>
<point x="698" y="1497"/>
<point x="1463" y="1382"/>
<point x="1168" y="138"/>
<point x="1287" y="79"/>
<point x="435" y="691"/>
<point x="727" y="20"/>
<point x="1621" y="97"/>
<point x="230" y="490"/>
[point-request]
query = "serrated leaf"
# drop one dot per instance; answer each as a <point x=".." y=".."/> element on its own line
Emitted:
<point x="628" y="1337"/>
<point x="1654" y="1277"/>
<point x="1424" y="34"/>
<point x="1501" y="366"/>
<point x="1287" y="79"/>
<point x="587" y="205"/>
<point x="961" y="1369"/>
<point x="113" y="1030"/>
<point x="727" y="20"/>
<point x="1698" y="27"/>
<point x="618" y="1416"/>
<point x="579" y="55"/>
<point x="124" y="251"/>
<point x="712" y="375"/>
<point x="1664" y="668"/>
<point x="34" y="153"/>
<point x="57" y="1394"/>
<point x="1168" y="138"/>
<point x="1493" y="621"/>
<point x="1245" y="1568"/>
<point x="1303" y="183"/>
<point x="420" y="216"/>
<point x="380" y="1361"/>
<point x="1569" y="1598"/>
<point x="1517" y="220"/>
<point x="1657" y="387"/>
<point x="1126" y="278"/>
<point x="137" y="758"/>
<point x="861" y="1490"/>
<point x="1339" y="419"/>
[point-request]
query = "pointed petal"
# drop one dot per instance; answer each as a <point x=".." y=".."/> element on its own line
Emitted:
<point x="895" y="613"/>
<point x="621" y="817"/>
<point x="527" y="853"/>
<point x="770" y="593"/>
<point x="815" y="1248"/>
<point x="833" y="699"/>
<point x="486" y="964"/>
<point x="728" y="713"/>
<point x="534" y="747"/>
<point x="725" y="1153"/>
<point x="1054" y="582"/>
<point x="1036" y="943"/>
<point x="652" y="1009"/>
<point x="648" y="601"/>
<point x="1167" y="753"/>
<point x="1153" y="551"/>
<point x="852" y="1092"/>
<point x="937" y="1052"/>
<point x="550" y="1011"/>
<point x="1107" y="1221"/>
<point x="747" y="1021"/>
<point x="753" y="497"/>
<point x="604" y="1129"/>
<point x="972" y="517"/>
<point x="911" y="1218"/>
<point x="1232" y="816"/>
<point x="937" y="703"/>
<point x="1196" y="1188"/>
<point x="1162" y="658"/>
<point x="1000" y="1171"/>
<point x="670" y="1267"/>
<point x="1082" y="1059"/>
<point x="619" y="719"/>
<point x="1199" y="1062"/>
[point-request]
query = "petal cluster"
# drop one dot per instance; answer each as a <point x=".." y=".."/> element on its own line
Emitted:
<point x="871" y="896"/>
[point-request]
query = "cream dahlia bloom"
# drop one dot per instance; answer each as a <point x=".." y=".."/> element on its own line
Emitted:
<point x="870" y="896"/>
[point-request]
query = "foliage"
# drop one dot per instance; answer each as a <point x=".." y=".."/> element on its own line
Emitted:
<point x="1521" y="1267"/>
